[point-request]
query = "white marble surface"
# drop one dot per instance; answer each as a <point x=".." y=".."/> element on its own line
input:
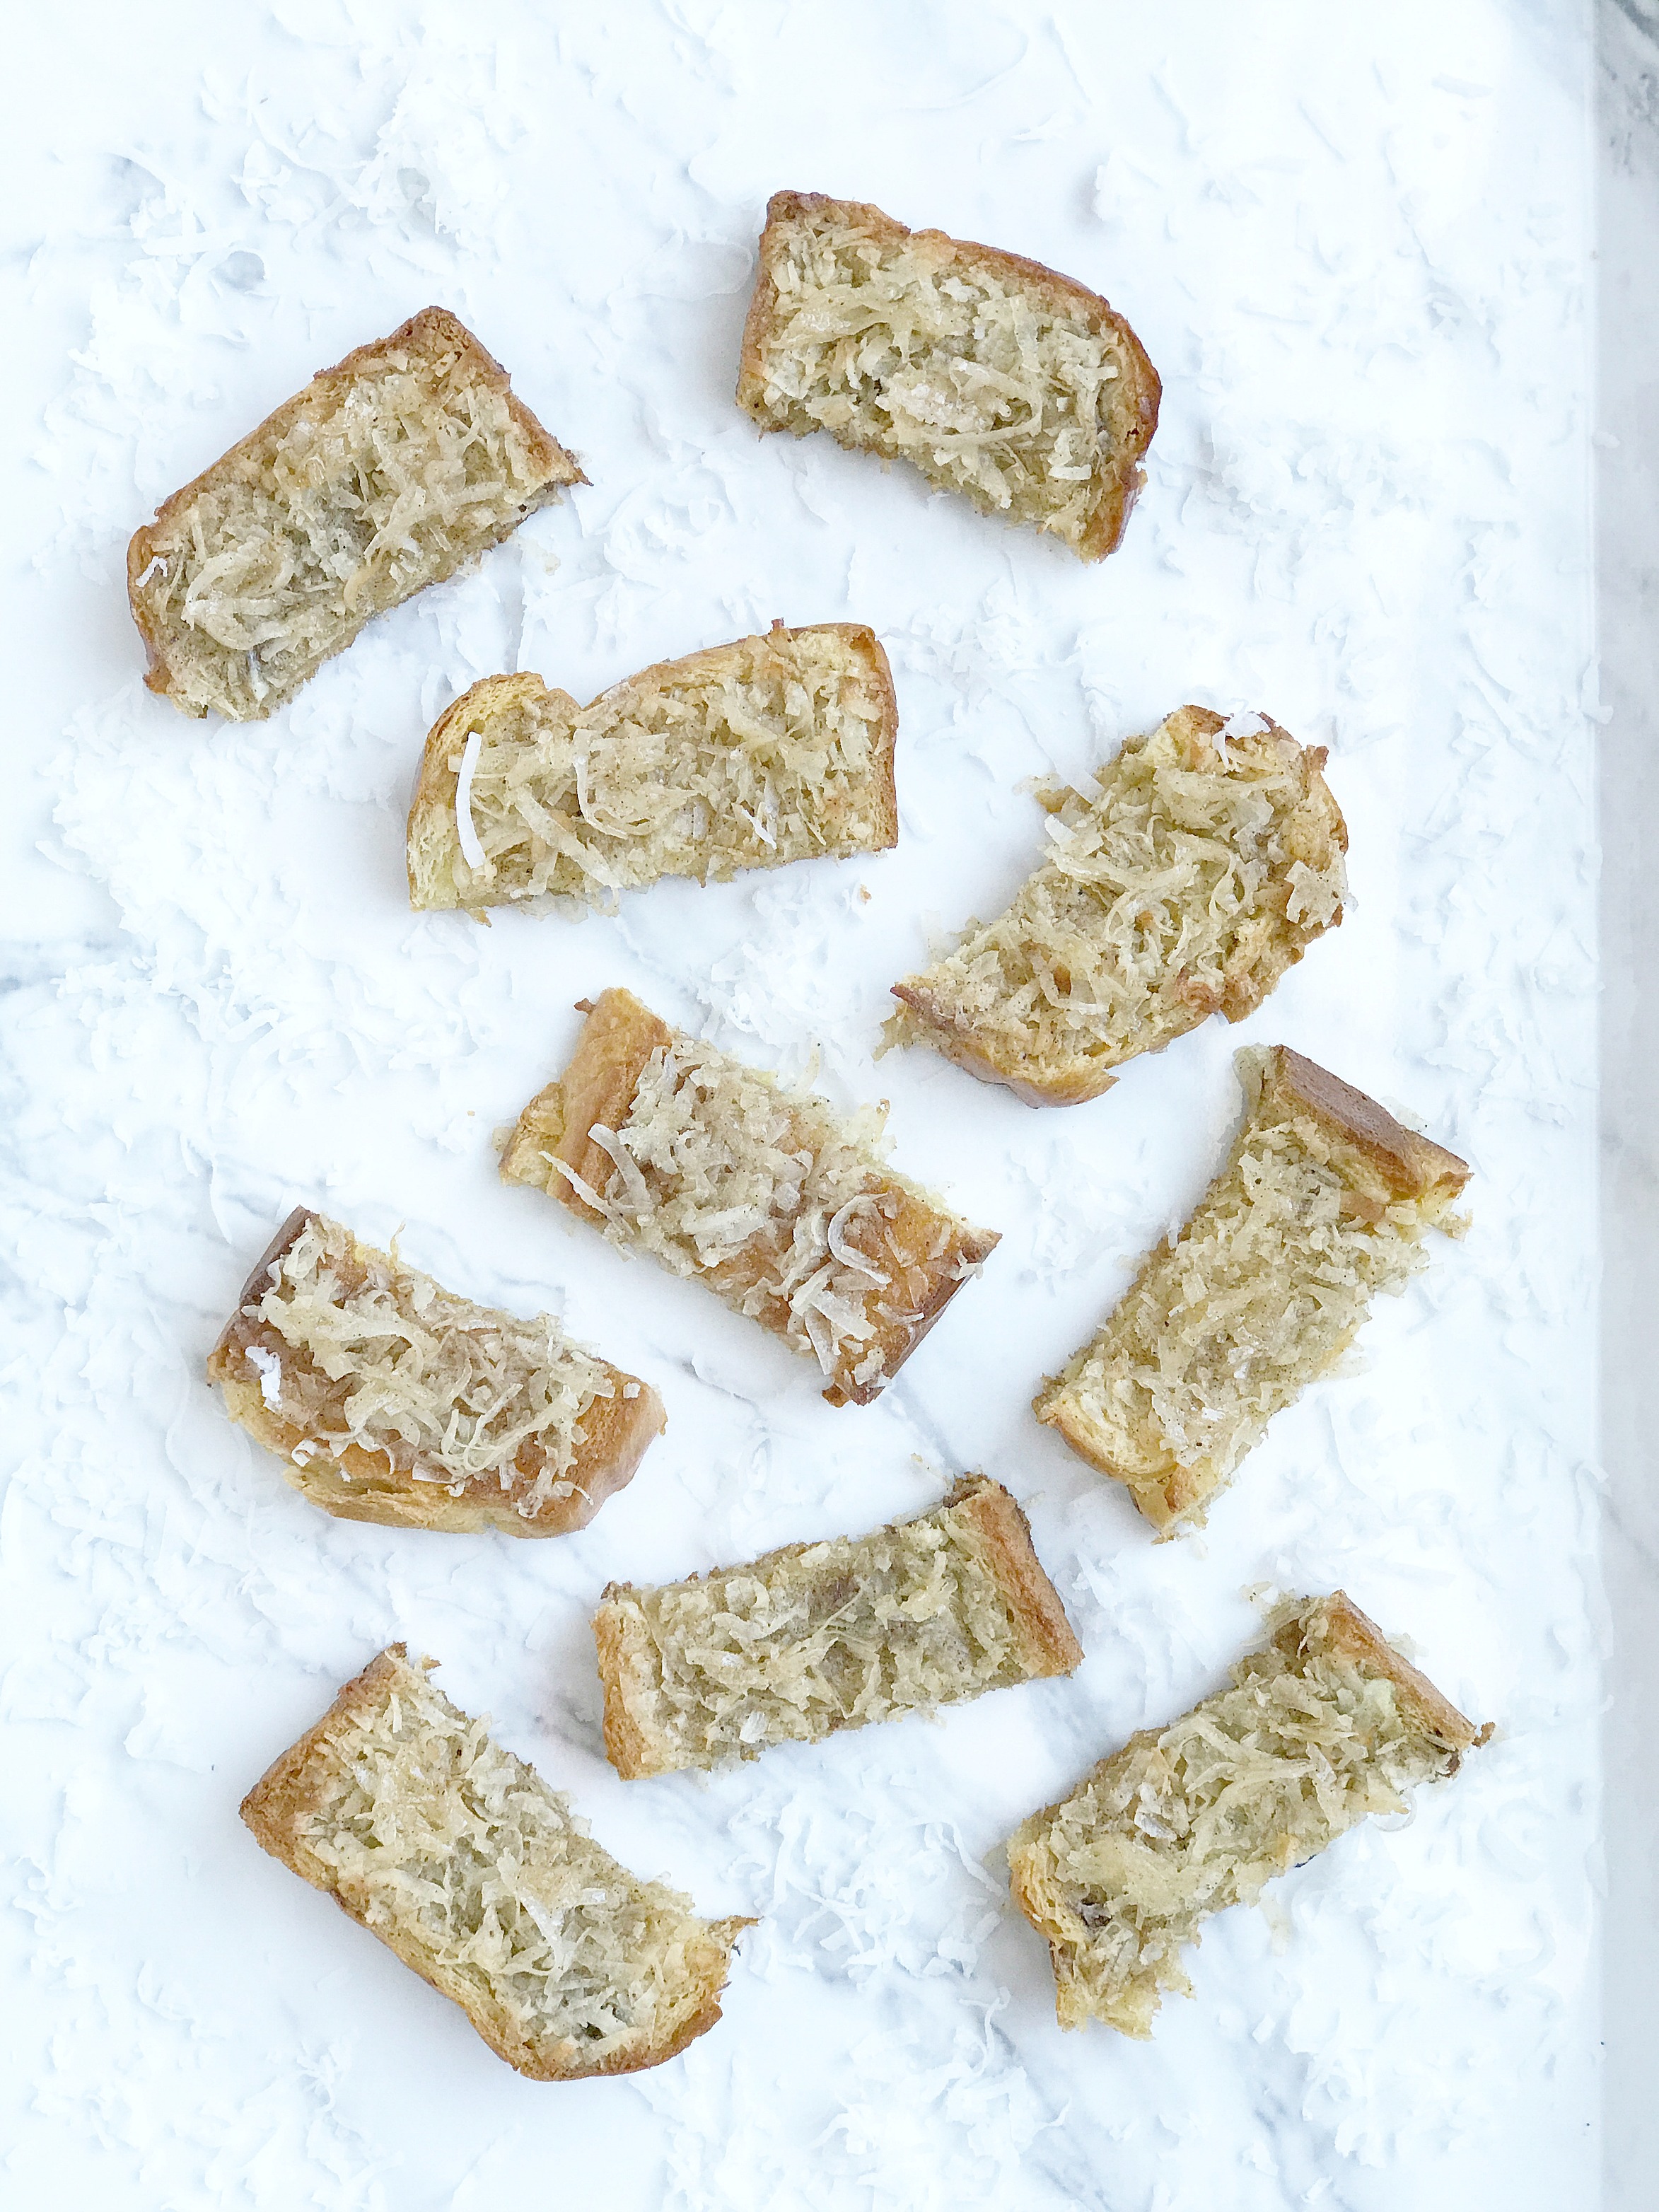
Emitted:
<point x="1627" y="484"/>
<point x="1365" y="281"/>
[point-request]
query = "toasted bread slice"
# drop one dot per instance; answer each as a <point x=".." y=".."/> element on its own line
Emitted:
<point x="383" y="476"/>
<point x="389" y="1399"/>
<point x="747" y="756"/>
<point x="1207" y="860"/>
<point x="992" y="375"/>
<point x="461" y="1860"/>
<point x="816" y="1638"/>
<point x="1325" y="1727"/>
<point x="786" y="1212"/>
<point x="1324" y="1203"/>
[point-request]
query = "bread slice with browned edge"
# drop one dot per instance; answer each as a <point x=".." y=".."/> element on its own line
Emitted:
<point x="772" y="749"/>
<point x="785" y="1210"/>
<point x="1323" y="1727"/>
<point x="388" y="1398"/>
<point x="817" y="1638"/>
<point x="992" y="375"/>
<point x="1206" y="861"/>
<point x="386" y="474"/>
<point x="461" y="1860"/>
<point x="1324" y="1203"/>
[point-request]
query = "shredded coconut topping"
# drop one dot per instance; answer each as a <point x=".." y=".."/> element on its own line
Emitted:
<point x="1185" y="1821"/>
<point x="1225" y="1326"/>
<point x="1185" y="886"/>
<point x="746" y="756"/>
<point x="353" y="1348"/>
<point x="1012" y="391"/>
<point x="440" y="1839"/>
<point x="816" y="1638"/>
<point x="360" y="491"/>
<point x="721" y="1173"/>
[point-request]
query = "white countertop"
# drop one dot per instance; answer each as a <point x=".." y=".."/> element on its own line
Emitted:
<point x="1361" y="260"/>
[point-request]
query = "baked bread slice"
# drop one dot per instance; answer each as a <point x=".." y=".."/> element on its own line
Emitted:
<point x="1323" y="1727"/>
<point x="1206" y="862"/>
<point x="771" y="748"/>
<point x="816" y="1638"/>
<point x="461" y="1860"/>
<point x="388" y="1398"/>
<point x="992" y="375"/>
<point x="386" y="474"/>
<point x="1324" y="1203"/>
<point x="785" y="1211"/>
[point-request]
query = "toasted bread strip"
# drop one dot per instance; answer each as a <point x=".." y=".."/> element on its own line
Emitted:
<point x="1207" y="860"/>
<point x="1325" y="1727"/>
<point x="784" y="1211"/>
<point x="772" y="749"/>
<point x="389" y="1399"/>
<point x="1324" y="1203"/>
<point x="383" y="476"/>
<point x="461" y="1860"/>
<point x="990" y="373"/>
<point x="817" y="1638"/>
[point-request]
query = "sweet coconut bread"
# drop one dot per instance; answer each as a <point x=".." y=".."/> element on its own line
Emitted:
<point x="772" y="749"/>
<point x="383" y="476"/>
<point x="1206" y="860"/>
<point x="784" y="1210"/>
<point x="816" y="1638"/>
<point x="1326" y="1726"/>
<point x="388" y="1398"/>
<point x="1324" y="1204"/>
<point x="989" y="374"/>
<point x="462" y="1860"/>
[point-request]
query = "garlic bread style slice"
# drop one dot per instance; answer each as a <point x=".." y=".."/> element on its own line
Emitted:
<point x="460" y="1859"/>
<point x="1326" y="1727"/>
<point x="816" y="1638"/>
<point x="1207" y="859"/>
<point x="386" y="474"/>
<point x="772" y="749"/>
<point x="1325" y="1204"/>
<point x="785" y="1210"/>
<point x="388" y="1398"/>
<point x="991" y="375"/>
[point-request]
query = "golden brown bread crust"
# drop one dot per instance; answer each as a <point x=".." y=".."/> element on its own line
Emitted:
<point x="273" y="1810"/>
<point x="611" y="1439"/>
<point x="431" y="326"/>
<point x="1264" y="954"/>
<point x="994" y="1529"/>
<point x="1412" y="1166"/>
<point x="1359" y="1638"/>
<point x="1010" y="1556"/>
<point x="1118" y="493"/>
<point x="596" y="1087"/>
<point x="431" y="807"/>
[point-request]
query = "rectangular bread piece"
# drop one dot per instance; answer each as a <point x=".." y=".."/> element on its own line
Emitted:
<point x="816" y="1638"/>
<point x="1323" y="1727"/>
<point x="383" y="476"/>
<point x="461" y="1860"/>
<point x="772" y="749"/>
<point x="388" y="1398"/>
<point x="1206" y="862"/>
<point x="1324" y="1204"/>
<point x="784" y="1210"/>
<point x="992" y="375"/>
